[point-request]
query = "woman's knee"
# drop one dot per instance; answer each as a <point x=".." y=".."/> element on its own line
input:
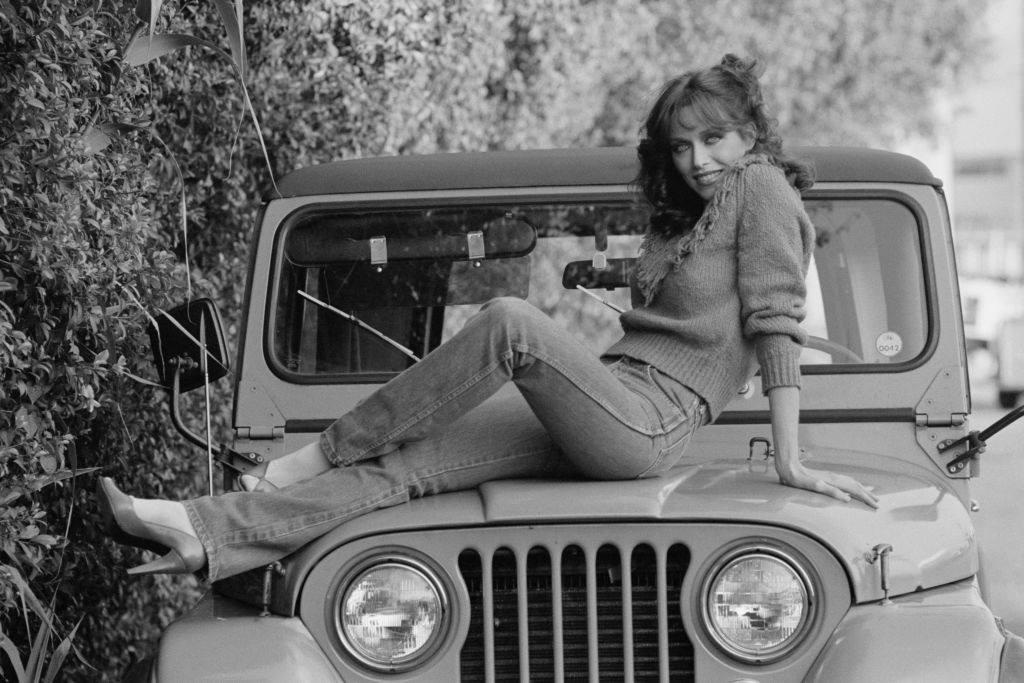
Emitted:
<point x="510" y="308"/>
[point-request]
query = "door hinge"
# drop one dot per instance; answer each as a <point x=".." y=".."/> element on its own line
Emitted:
<point x="259" y="432"/>
<point x="951" y="420"/>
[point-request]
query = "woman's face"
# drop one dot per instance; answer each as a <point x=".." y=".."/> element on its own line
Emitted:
<point x="702" y="154"/>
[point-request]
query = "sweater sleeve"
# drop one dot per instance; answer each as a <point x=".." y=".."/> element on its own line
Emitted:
<point x="774" y="242"/>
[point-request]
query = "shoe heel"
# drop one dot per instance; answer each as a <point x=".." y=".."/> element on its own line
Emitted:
<point x="171" y="563"/>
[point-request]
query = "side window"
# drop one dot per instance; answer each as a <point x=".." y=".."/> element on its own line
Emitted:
<point x="866" y="291"/>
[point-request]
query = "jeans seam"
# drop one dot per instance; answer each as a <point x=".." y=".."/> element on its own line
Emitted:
<point x="470" y="464"/>
<point x="205" y="538"/>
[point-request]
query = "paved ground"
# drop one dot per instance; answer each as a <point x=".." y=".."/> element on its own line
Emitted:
<point x="1000" y="493"/>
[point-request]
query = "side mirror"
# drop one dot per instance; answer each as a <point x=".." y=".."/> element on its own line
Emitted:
<point x="177" y="340"/>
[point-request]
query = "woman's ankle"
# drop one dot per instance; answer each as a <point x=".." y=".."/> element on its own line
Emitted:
<point x="299" y="465"/>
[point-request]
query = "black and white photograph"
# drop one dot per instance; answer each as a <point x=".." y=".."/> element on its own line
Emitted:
<point x="378" y="341"/>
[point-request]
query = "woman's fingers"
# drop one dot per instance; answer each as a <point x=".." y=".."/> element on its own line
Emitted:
<point x="837" y="486"/>
<point x="851" y="488"/>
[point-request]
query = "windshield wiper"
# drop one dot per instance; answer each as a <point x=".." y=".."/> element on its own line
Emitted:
<point x="360" y="323"/>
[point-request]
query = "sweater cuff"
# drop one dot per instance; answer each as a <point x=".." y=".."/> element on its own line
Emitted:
<point x="779" y="357"/>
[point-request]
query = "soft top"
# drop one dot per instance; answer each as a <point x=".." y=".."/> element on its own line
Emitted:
<point x="560" y="167"/>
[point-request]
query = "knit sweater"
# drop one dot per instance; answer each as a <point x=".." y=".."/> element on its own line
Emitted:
<point x="711" y="304"/>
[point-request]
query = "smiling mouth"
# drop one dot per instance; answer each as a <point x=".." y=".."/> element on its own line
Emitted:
<point x="707" y="178"/>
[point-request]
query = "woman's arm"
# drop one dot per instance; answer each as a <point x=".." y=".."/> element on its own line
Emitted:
<point x="784" y="405"/>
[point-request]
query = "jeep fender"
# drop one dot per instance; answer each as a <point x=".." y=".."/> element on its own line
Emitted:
<point x="221" y="639"/>
<point x="943" y="635"/>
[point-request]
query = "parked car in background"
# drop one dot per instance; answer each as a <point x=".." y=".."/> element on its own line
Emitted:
<point x="714" y="572"/>
<point x="1009" y="352"/>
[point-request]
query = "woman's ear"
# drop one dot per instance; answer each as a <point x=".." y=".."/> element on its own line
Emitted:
<point x="749" y="135"/>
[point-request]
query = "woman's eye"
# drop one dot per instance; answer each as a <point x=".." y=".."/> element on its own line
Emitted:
<point x="679" y="148"/>
<point x="712" y="139"/>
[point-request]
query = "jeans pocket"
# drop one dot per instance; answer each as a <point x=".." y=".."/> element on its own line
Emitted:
<point x="676" y="402"/>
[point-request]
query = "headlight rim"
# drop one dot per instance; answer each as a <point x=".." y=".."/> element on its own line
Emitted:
<point x="408" y="558"/>
<point x="796" y="562"/>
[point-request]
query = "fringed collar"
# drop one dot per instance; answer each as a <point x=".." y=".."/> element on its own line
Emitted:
<point x="660" y="254"/>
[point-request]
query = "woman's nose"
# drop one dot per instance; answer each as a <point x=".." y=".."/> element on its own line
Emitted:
<point x="700" y="156"/>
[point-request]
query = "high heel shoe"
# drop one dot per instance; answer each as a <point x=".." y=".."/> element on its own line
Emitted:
<point x="180" y="552"/>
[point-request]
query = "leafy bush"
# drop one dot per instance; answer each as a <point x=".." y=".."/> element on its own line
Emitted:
<point x="81" y="250"/>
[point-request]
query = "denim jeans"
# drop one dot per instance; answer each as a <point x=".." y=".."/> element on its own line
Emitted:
<point x="432" y="429"/>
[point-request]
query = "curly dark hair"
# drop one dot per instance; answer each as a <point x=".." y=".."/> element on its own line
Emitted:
<point x="727" y="96"/>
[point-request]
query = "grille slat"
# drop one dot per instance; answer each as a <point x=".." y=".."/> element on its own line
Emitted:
<point x="599" y="612"/>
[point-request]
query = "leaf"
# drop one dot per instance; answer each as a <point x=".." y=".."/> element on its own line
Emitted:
<point x="26" y="422"/>
<point x="232" y="24"/>
<point x="13" y="656"/>
<point x="48" y="462"/>
<point x="72" y="454"/>
<point x="148" y="11"/>
<point x="39" y="645"/>
<point x="60" y="654"/>
<point x="8" y="496"/>
<point x="45" y="540"/>
<point x="144" y="49"/>
<point x="94" y="140"/>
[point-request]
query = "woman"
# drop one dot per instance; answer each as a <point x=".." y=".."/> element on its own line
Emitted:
<point x="718" y="289"/>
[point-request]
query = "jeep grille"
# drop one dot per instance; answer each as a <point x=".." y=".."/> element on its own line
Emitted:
<point x="554" y="612"/>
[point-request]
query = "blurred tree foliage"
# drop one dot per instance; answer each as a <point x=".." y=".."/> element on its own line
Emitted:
<point x="90" y="230"/>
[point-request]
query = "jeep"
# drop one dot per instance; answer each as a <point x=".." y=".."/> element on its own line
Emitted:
<point x="714" y="572"/>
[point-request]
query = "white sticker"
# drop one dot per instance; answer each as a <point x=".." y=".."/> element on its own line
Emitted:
<point x="889" y="344"/>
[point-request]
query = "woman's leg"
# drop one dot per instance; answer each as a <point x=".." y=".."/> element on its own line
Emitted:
<point x="604" y="418"/>
<point x="240" y="531"/>
<point x="610" y="421"/>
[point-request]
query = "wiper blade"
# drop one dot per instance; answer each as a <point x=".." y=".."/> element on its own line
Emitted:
<point x="348" y="316"/>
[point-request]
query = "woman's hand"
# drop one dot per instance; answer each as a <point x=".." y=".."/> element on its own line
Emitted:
<point x="784" y="403"/>
<point x="838" y="486"/>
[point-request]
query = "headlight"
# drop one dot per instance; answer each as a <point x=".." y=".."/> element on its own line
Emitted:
<point x="757" y="603"/>
<point x="392" y="613"/>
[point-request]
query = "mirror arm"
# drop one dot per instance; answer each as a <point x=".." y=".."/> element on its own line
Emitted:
<point x="180" y="365"/>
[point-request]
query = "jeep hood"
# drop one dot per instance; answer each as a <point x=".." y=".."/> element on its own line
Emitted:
<point x="927" y="526"/>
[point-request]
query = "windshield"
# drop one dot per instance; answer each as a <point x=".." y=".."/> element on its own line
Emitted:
<point x="361" y="295"/>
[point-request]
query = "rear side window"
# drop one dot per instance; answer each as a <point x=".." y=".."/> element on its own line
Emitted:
<point x="359" y="293"/>
<point x="866" y="285"/>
